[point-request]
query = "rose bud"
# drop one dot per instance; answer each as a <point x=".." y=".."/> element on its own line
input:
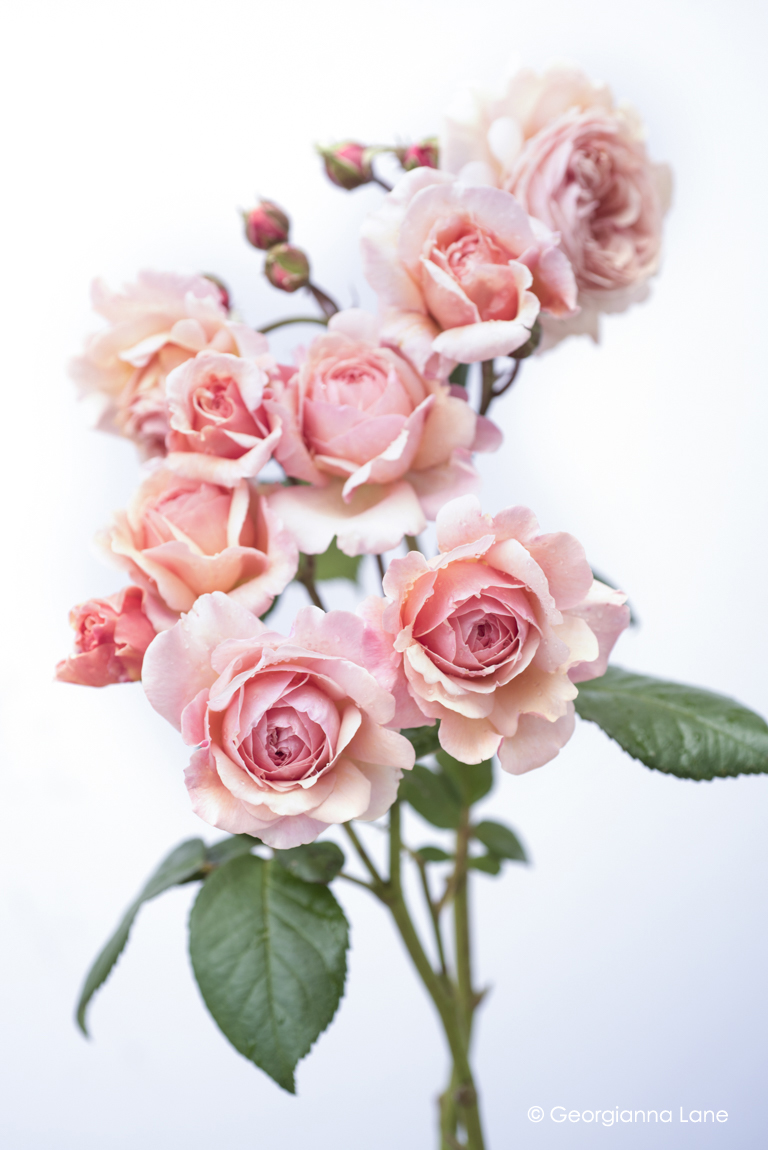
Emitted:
<point x="348" y="165"/>
<point x="224" y="296"/>
<point x="287" y="267"/>
<point x="266" y="225"/>
<point x="423" y="155"/>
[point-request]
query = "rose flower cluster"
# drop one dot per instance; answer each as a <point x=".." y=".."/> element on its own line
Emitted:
<point x="536" y="211"/>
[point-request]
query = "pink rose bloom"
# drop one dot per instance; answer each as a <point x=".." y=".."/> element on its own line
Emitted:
<point x="496" y="630"/>
<point x="181" y="538"/>
<point x="461" y="271"/>
<point x="579" y="164"/>
<point x="154" y="325"/>
<point x="382" y="447"/>
<point x="219" y="430"/>
<point x="291" y="731"/>
<point x="111" y="636"/>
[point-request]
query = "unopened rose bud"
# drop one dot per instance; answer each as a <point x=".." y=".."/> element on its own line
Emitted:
<point x="423" y="155"/>
<point x="348" y="165"/>
<point x="266" y="225"/>
<point x="223" y="289"/>
<point x="287" y="267"/>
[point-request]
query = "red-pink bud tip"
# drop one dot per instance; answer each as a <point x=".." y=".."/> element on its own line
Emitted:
<point x="286" y="267"/>
<point x="266" y="225"/>
<point x="224" y="296"/>
<point x="348" y="164"/>
<point x="422" y="155"/>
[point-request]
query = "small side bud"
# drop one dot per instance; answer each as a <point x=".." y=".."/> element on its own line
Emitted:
<point x="224" y="295"/>
<point x="422" y="155"/>
<point x="348" y="164"/>
<point x="286" y="267"/>
<point x="266" y="225"/>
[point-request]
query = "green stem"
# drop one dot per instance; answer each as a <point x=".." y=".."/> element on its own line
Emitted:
<point x="439" y="989"/>
<point x="382" y="570"/>
<point x="433" y="913"/>
<point x="412" y="542"/>
<point x="292" y="319"/>
<point x="365" y="859"/>
<point x="306" y="576"/>
<point x="461" y="926"/>
<point x="489" y="378"/>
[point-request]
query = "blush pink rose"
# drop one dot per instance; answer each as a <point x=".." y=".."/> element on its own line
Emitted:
<point x="154" y="326"/>
<point x="181" y="538"/>
<point x="461" y="271"/>
<point x="291" y="731"/>
<point x="579" y="164"/>
<point x="111" y="636"/>
<point x="219" y="430"/>
<point x="495" y="631"/>
<point x="364" y="428"/>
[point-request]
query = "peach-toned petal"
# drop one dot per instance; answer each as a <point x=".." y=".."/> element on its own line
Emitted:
<point x="607" y="614"/>
<point x="535" y="742"/>
<point x="468" y="740"/>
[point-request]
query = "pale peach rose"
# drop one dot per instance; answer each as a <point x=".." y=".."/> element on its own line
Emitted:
<point x="181" y="538"/>
<point x="496" y="630"/>
<point x="461" y="271"/>
<point x="291" y="731"/>
<point x="579" y="164"/>
<point x="111" y="636"/>
<point x="154" y="325"/>
<point x="382" y="447"/>
<point x="219" y="429"/>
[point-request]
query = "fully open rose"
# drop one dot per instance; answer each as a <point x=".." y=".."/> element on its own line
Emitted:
<point x="155" y="325"/>
<point x="382" y="447"/>
<point x="111" y="636"/>
<point x="579" y="164"/>
<point x="461" y="271"/>
<point x="181" y="538"/>
<point x="219" y="430"/>
<point x="497" y="629"/>
<point x="291" y="731"/>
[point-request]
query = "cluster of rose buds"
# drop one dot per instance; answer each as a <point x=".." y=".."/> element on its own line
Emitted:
<point x="268" y="227"/>
<point x="480" y="258"/>
<point x="349" y="164"/>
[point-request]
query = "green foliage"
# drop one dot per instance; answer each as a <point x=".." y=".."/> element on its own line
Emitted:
<point x="229" y="848"/>
<point x="269" y="956"/>
<point x="472" y="780"/>
<point x="191" y="861"/>
<point x="684" y="731"/>
<point x="459" y="374"/>
<point x="315" y="862"/>
<point x="433" y="795"/>
<point x="424" y="739"/>
<point x="488" y="864"/>
<point x="500" y="841"/>
<point x="181" y="865"/>
<point x="334" y="564"/>
<point x="433" y="854"/>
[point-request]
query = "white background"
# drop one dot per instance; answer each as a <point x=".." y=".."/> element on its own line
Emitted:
<point x="628" y="963"/>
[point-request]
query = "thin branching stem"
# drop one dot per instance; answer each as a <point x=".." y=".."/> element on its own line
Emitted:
<point x="292" y="319"/>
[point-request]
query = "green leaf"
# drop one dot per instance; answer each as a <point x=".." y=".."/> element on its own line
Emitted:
<point x="334" y="564"/>
<point x="433" y="854"/>
<point x="489" y="864"/>
<point x="500" y="841"/>
<point x="433" y="795"/>
<point x="187" y="860"/>
<point x="315" y="862"/>
<point x="229" y="848"/>
<point x="424" y="739"/>
<point x="473" y="780"/>
<point x="684" y="731"/>
<point x="459" y="375"/>
<point x="269" y="956"/>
